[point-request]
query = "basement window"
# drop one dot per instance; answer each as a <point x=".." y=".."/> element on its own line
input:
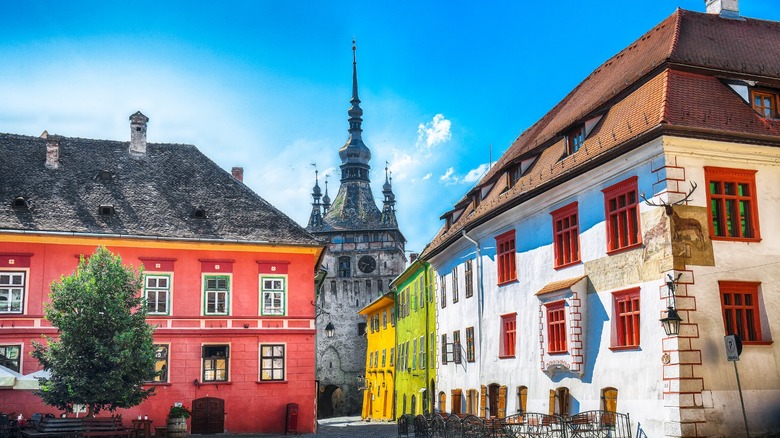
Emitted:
<point x="106" y="209"/>
<point x="20" y="202"/>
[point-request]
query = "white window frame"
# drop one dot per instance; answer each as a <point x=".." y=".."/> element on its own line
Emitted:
<point x="275" y="292"/>
<point x="217" y="293"/>
<point x="19" y="357"/>
<point x="7" y="291"/>
<point x="157" y="289"/>
<point x="273" y="358"/>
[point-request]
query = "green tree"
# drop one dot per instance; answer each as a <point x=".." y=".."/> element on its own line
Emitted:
<point x="104" y="352"/>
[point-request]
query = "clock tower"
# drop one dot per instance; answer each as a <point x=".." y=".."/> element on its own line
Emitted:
<point x="365" y="253"/>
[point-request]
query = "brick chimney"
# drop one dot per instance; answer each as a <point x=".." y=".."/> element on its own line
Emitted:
<point x="53" y="151"/>
<point x="138" y="123"/>
<point x="413" y="256"/>
<point x="724" y="8"/>
<point x="238" y="173"/>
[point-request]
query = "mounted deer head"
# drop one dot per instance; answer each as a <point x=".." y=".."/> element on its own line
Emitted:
<point x="668" y="206"/>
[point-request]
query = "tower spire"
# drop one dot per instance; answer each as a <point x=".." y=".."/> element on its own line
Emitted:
<point x="355" y="155"/>
<point x="355" y="112"/>
<point x="326" y="198"/>
<point x="388" y="208"/>
<point x="315" y="219"/>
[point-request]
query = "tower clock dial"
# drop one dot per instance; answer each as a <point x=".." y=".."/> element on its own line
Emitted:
<point x="367" y="264"/>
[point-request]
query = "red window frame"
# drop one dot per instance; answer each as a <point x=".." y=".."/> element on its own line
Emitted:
<point x="626" y="308"/>
<point x="741" y="310"/>
<point x="621" y="208"/>
<point x="566" y="235"/>
<point x="505" y="257"/>
<point x="732" y="204"/>
<point x="508" y="335"/>
<point x="556" y="327"/>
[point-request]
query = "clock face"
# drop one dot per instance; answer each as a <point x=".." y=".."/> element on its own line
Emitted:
<point x="367" y="264"/>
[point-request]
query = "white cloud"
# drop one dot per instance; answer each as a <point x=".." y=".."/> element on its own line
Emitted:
<point x="450" y="177"/>
<point x="435" y="132"/>
<point x="474" y="175"/>
<point x="447" y="178"/>
<point x="427" y="176"/>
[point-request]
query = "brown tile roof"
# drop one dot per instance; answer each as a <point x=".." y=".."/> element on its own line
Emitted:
<point x="555" y="286"/>
<point x="639" y="90"/>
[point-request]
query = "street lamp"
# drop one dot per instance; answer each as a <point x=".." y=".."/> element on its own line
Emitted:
<point x="330" y="330"/>
<point x="672" y="320"/>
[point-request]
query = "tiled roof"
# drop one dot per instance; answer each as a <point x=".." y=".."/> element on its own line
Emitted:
<point x="153" y="196"/>
<point x="555" y="286"/>
<point x="638" y="92"/>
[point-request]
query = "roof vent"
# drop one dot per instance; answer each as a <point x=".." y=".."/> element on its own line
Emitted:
<point x="238" y="173"/>
<point x="199" y="213"/>
<point x="20" y="202"/>
<point x="104" y="176"/>
<point x="106" y="210"/>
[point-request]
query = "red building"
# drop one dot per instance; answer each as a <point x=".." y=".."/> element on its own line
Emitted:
<point x="229" y="280"/>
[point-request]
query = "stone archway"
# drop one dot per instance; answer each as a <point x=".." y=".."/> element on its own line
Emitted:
<point x="330" y="399"/>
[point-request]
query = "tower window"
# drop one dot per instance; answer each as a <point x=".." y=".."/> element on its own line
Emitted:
<point x="345" y="269"/>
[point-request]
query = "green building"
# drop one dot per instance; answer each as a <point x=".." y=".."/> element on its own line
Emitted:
<point x="415" y="339"/>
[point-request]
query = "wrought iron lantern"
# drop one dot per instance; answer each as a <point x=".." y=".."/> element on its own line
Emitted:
<point x="672" y="320"/>
<point x="330" y="330"/>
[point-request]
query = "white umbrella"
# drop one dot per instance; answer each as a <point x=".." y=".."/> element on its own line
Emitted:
<point x="30" y="381"/>
<point x="8" y="377"/>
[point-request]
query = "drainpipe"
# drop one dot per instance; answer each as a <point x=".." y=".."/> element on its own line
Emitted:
<point x="480" y="290"/>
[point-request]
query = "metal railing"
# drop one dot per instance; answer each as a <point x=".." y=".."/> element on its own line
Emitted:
<point x="589" y="424"/>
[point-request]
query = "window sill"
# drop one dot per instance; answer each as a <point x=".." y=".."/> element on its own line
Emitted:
<point x="566" y="265"/>
<point x="736" y="239"/>
<point x="157" y="384"/>
<point x="265" y="382"/>
<point x="215" y="383"/>
<point x="746" y="343"/>
<point x="557" y="353"/>
<point x="623" y="249"/>
<point x="624" y="347"/>
<point x="506" y="356"/>
<point x="514" y="280"/>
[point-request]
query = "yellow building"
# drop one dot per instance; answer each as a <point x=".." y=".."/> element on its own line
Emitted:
<point x="379" y="388"/>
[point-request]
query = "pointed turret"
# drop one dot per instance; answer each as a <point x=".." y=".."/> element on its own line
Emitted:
<point x="326" y="198"/>
<point x="388" y="209"/>
<point x="315" y="220"/>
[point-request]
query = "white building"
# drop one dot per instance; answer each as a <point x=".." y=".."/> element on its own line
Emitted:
<point x="570" y="267"/>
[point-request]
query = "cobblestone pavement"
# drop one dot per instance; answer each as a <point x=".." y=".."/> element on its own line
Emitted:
<point x="342" y="427"/>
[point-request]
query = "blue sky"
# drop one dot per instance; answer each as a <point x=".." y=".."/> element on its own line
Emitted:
<point x="445" y="85"/>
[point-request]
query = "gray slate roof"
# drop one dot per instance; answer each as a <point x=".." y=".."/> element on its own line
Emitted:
<point x="153" y="196"/>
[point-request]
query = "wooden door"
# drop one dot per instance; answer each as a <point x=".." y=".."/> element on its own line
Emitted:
<point x="208" y="415"/>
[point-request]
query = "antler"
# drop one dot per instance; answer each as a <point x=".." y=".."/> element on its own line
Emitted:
<point x="667" y="205"/>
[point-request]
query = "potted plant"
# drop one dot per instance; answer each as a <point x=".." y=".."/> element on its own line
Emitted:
<point x="177" y="422"/>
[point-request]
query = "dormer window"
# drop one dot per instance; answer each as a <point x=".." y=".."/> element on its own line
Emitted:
<point x="514" y="175"/>
<point x="574" y="139"/>
<point x="765" y="102"/>
<point x="20" y="202"/>
<point x="199" y="213"/>
<point x="106" y="209"/>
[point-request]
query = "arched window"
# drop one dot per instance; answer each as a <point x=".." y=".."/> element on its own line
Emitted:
<point x="345" y="267"/>
<point x="559" y="401"/>
<point x="414" y="405"/>
<point x="522" y="399"/>
<point x="442" y="402"/>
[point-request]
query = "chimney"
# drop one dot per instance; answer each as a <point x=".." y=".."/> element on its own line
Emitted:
<point x="53" y="151"/>
<point x="238" y="173"/>
<point x="412" y="257"/>
<point x="138" y="134"/>
<point x="724" y="8"/>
